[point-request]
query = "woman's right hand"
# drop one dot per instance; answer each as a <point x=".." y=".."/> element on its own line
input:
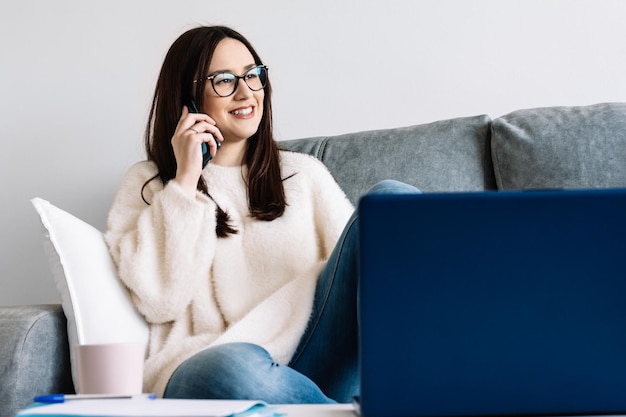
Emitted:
<point x="191" y="131"/>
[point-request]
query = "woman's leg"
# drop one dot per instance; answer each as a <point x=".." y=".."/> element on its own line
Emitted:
<point x="327" y="354"/>
<point x="328" y="351"/>
<point x="241" y="371"/>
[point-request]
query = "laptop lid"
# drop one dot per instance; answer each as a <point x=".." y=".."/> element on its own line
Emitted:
<point x="493" y="303"/>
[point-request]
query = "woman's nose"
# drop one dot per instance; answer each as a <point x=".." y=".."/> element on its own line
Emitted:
<point x="242" y="89"/>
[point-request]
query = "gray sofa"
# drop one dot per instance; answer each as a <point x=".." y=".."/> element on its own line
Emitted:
<point x="556" y="147"/>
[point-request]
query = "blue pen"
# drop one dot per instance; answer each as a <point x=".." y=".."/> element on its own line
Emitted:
<point x="61" y="398"/>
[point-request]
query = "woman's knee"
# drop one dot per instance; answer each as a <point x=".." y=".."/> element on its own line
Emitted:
<point x="393" y="187"/>
<point x="224" y="371"/>
<point x="241" y="371"/>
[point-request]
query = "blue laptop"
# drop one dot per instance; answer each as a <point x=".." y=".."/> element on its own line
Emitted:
<point x="493" y="303"/>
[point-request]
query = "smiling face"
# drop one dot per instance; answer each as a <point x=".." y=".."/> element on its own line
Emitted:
<point x="238" y="115"/>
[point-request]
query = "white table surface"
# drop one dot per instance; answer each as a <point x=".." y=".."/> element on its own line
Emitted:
<point x="317" y="410"/>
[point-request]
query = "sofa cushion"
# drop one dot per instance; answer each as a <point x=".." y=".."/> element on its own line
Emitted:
<point x="561" y="147"/>
<point x="97" y="306"/>
<point x="34" y="356"/>
<point x="448" y="155"/>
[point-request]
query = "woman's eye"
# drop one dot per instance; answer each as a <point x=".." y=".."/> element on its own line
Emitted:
<point x="224" y="79"/>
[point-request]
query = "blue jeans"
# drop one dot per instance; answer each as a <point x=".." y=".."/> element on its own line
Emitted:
<point x="324" y="368"/>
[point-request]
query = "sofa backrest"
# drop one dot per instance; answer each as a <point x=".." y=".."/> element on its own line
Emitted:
<point x="561" y="147"/>
<point x="448" y="155"/>
<point x="542" y="148"/>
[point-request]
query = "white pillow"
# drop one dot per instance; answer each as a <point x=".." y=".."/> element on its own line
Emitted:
<point x="97" y="305"/>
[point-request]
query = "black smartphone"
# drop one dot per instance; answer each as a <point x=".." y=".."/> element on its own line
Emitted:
<point x="206" y="155"/>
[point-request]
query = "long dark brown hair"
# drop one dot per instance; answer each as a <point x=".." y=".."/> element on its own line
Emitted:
<point x="188" y="59"/>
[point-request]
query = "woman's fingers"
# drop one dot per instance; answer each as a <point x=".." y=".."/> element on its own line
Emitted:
<point x="192" y="132"/>
<point x="206" y="127"/>
<point x="208" y="138"/>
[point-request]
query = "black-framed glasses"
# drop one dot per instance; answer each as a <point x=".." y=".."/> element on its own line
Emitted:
<point x="225" y="83"/>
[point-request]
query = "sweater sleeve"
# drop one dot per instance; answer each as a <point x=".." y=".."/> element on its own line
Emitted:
<point x="332" y="208"/>
<point x="161" y="249"/>
<point x="332" y="211"/>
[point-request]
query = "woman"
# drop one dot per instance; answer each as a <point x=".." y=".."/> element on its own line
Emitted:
<point x="240" y="268"/>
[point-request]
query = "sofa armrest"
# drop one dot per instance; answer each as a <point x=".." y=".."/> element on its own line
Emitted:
<point x="34" y="355"/>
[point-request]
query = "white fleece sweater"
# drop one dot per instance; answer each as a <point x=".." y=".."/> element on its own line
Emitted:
<point x="196" y="290"/>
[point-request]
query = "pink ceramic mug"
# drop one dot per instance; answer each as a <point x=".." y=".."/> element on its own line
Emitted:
<point x="115" y="368"/>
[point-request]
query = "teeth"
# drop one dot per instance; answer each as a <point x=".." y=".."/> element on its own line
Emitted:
<point x="242" y="112"/>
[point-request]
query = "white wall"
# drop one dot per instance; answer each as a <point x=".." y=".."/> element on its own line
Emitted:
<point x="76" y="79"/>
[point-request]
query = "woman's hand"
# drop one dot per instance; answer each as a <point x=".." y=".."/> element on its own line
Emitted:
<point x="191" y="131"/>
